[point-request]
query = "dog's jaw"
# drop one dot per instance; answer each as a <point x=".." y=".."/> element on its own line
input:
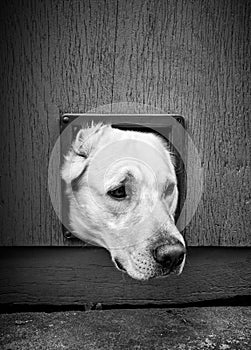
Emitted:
<point x="143" y="267"/>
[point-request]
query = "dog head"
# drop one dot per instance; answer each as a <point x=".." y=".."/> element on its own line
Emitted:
<point x="122" y="191"/>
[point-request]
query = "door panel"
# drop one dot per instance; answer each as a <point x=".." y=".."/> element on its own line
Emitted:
<point x="184" y="57"/>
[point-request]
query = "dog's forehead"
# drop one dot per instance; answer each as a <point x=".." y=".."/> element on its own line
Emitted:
<point x="120" y="151"/>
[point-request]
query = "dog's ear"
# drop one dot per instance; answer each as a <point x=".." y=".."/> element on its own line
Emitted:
<point x="87" y="139"/>
<point x="77" y="159"/>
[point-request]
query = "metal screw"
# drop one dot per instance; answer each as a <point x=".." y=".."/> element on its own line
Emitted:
<point x="66" y="119"/>
<point x="67" y="234"/>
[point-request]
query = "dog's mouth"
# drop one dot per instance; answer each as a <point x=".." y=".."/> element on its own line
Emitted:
<point x="157" y="272"/>
<point x="119" y="265"/>
<point x="166" y="272"/>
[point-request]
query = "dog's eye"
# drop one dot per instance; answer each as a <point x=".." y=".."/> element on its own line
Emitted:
<point x="118" y="193"/>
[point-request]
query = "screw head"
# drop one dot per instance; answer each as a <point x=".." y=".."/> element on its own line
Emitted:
<point x="67" y="234"/>
<point x="66" y="119"/>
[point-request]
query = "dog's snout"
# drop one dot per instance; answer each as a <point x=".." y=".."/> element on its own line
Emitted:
<point x="169" y="256"/>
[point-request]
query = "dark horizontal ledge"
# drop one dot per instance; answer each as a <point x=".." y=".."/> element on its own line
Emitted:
<point x="239" y="300"/>
<point x="36" y="278"/>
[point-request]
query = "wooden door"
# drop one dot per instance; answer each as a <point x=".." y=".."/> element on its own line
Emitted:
<point x="186" y="57"/>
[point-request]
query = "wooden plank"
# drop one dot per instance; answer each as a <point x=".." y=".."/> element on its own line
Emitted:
<point x="193" y="58"/>
<point x="82" y="276"/>
<point x="54" y="56"/>
<point x="185" y="57"/>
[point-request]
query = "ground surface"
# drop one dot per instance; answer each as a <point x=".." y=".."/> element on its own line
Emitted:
<point x="222" y="328"/>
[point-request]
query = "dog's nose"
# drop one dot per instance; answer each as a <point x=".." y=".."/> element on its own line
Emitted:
<point x="170" y="256"/>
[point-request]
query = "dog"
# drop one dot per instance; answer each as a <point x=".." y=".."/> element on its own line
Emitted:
<point x="122" y="191"/>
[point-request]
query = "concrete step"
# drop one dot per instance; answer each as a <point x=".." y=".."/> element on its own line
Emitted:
<point x="222" y="328"/>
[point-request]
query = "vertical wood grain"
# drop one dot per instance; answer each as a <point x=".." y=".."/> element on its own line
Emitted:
<point x="193" y="58"/>
<point x="185" y="57"/>
<point x="55" y="56"/>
